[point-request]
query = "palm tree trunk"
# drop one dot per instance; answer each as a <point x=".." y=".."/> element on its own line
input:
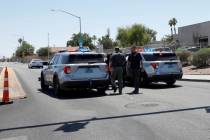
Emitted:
<point x="175" y="30"/>
<point x="171" y="31"/>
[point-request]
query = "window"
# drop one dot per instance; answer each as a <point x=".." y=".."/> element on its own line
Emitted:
<point x="56" y="60"/>
<point x="51" y="61"/>
<point x="83" y="58"/>
<point x="160" y="56"/>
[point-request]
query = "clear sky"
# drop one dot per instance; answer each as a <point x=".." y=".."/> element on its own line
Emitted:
<point x="33" y="18"/>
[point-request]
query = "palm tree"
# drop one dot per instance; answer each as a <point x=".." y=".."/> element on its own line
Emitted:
<point x="170" y="23"/>
<point x="94" y="39"/>
<point x="174" y="22"/>
<point x="20" y="40"/>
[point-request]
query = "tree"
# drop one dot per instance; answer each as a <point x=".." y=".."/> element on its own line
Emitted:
<point x="167" y="39"/>
<point x="152" y="33"/>
<point x="174" y="22"/>
<point x="170" y="23"/>
<point x="43" y="51"/>
<point x="20" y="40"/>
<point x="74" y="41"/>
<point x="137" y="34"/>
<point x="106" y="42"/>
<point x="123" y="36"/>
<point x="25" y="49"/>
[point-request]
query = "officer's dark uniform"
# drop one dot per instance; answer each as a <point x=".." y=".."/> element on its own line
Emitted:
<point x="117" y="63"/>
<point x="135" y="61"/>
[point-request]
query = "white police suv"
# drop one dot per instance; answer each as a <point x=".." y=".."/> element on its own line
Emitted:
<point x="79" y="69"/>
<point x="159" y="66"/>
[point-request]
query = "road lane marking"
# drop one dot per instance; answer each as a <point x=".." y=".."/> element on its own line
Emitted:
<point x="16" y="138"/>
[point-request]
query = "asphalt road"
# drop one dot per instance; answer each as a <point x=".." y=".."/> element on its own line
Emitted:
<point x="160" y="113"/>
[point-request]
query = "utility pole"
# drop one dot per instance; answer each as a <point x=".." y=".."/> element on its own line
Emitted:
<point x="48" y="45"/>
<point x="80" y="23"/>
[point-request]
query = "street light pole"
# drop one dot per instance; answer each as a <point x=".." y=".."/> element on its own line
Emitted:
<point x="80" y="26"/>
<point x="80" y="22"/>
<point x="48" y="46"/>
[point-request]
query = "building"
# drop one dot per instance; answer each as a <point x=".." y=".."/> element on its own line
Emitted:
<point x="54" y="50"/>
<point x="195" y="35"/>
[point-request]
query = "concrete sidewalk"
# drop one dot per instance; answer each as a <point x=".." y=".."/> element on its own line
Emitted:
<point x="15" y="89"/>
<point x="196" y="78"/>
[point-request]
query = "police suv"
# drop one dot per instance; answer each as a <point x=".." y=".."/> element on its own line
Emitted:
<point x="159" y="65"/>
<point x="78" y="69"/>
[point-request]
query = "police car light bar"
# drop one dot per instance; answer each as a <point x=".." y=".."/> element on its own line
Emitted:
<point x="82" y="49"/>
<point x="146" y="50"/>
<point x="149" y="50"/>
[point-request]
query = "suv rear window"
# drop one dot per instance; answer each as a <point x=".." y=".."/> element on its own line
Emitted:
<point x="83" y="58"/>
<point x="160" y="56"/>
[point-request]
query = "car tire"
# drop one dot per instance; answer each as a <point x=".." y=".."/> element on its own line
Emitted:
<point x="171" y="83"/>
<point x="56" y="87"/>
<point x="43" y="85"/>
<point x="102" y="91"/>
<point x="145" y="83"/>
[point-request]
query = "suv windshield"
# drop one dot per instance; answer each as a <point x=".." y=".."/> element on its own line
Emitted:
<point x="160" y="56"/>
<point x="83" y="58"/>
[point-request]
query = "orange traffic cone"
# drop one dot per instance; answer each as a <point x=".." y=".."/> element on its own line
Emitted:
<point x="5" y="99"/>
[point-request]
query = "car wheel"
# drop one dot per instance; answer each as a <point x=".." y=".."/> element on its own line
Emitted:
<point x="145" y="83"/>
<point x="171" y="83"/>
<point x="43" y="85"/>
<point x="102" y="91"/>
<point x="56" y="87"/>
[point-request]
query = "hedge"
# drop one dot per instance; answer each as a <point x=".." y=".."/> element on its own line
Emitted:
<point x="201" y="58"/>
<point x="184" y="56"/>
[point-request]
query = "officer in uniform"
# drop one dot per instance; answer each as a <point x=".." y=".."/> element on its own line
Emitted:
<point x="135" y="62"/>
<point x="117" y="63"/>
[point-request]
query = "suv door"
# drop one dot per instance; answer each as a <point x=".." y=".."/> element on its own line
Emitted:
<point x="50" y="69"/>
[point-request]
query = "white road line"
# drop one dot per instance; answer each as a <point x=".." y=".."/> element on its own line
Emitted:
<point x="16" y="138"/>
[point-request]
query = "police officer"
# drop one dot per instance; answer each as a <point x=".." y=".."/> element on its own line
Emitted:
<point x="117" y="62"/>
<point x="135" y="65"/>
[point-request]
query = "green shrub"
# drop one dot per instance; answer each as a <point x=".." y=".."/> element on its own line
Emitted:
<point x="201" y="58"/>
<point x="183" y="56"/>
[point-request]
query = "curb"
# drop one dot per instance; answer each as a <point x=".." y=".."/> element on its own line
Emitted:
<point x="195" y="80"/>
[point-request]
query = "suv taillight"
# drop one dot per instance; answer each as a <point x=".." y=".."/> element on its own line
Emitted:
<point x="154" y="65"/>
<point x="67" y="69"/>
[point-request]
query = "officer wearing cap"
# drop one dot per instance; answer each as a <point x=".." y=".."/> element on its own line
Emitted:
<point x="117" y="62"/>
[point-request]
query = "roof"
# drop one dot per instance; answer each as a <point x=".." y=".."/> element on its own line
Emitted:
<point x="79" y="53"/>
<point x="206" y="22"/>
<point x="57" y="49"/>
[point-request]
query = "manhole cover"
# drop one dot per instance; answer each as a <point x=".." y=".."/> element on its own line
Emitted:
<point x="150" y="104"/>
<point x="140" y="105"/>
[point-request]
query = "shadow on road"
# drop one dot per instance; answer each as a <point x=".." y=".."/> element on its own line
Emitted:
<point x="73" y="94"/>
<point x="154" y="86"/>
<point x="72" y="127"/>
<point x="208" y="110"/>
<point x="160" y="86"/>
<point x="79" y="124"/>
